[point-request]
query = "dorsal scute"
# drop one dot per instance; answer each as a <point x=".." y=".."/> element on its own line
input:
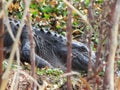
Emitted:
<point x="55" y="34"/>
<point x="48" y="33"/>
<point x="43" y="31"/>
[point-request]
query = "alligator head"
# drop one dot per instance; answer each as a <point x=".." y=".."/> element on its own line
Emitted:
<point x="53" y="48"/>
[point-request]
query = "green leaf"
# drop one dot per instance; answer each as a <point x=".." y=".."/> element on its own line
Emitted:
<point x="46" y="9"/>
<point x="47" y="16"/>
<point x="87" y="2"/>
<point x="61" y="6"/>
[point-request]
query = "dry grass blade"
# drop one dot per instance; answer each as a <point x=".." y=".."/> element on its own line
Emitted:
<point x="70" y="74"/>
<point x="31" y="78"/>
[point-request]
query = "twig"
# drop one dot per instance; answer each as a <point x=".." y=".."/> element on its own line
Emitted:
<point x="69" y="41"/>
<point x="32" y="50"/>
<point x="31" y="78"/>
<point x="109" y="72"/>
<point x="70" y="74"/>
<point x="90" y="16"/>
<point x="6" y="7"/>
<point x="1" y="43"/>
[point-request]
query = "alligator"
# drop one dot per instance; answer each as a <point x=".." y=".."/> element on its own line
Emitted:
<point x="50" y="48"/>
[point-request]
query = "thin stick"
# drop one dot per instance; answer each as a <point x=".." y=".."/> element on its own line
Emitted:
<point x="109" y="72"/>
<point x="1" y="43"/>
<point x="6" y="7"/>
<point x="69" y="41"/>
<point x="90" y="16"/>
<point x="32" y="49"/>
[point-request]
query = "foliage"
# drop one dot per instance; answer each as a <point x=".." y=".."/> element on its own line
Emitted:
<point x="55" y="72"/>
<point x="5" y="65"/>
<point x="53" y="14"/>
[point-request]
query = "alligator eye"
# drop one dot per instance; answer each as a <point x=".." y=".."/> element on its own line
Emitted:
<point x="17" y="25"/>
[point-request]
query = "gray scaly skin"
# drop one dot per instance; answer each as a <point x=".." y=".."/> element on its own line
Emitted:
<point x="50" y="48"/>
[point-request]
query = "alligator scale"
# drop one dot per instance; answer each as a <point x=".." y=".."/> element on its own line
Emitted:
<point x="50" y="48"/>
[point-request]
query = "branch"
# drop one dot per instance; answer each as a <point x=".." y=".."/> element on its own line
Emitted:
<point x="69" y="41"/>
<point x="1" y="43"/>
<point x="109" y="72"/>
<point x="6" y="7"/>
<point x="32" y="49"/>
<point x="90" y="16"/>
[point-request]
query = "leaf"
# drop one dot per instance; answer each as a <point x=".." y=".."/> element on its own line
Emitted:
<point x="53" y="3"/>
<point x="61" y="6"/>
<point x="47" y="16"/>
<point x="33" y="11"/>
<point x="87" y="2"/>
<point x="46" y="9"/>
